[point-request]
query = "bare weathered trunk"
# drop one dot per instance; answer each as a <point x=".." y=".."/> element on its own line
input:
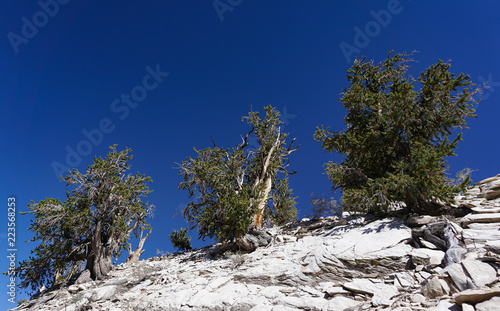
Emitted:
<point x="265" y="178"/>
<point x="256" y="237"/>
<point x="57" y="276"/>
<point x="133" y="256"/>
<point x="99" y="262"/>
<point x="99" y="266"/>
<point x="261" y="206"/>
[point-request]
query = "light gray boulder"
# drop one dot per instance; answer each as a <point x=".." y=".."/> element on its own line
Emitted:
<point x="458" y="276"/>
<point x="492" y="304"/>
<point x="481" y="273"/>
<point x="84" y="277"/>
<point x="427" y="257"/>
<point x="434" y="288"/>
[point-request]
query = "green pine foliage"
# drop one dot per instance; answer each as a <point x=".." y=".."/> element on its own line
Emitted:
<point x="231" y="186"/>
<point x="399" y="131"/>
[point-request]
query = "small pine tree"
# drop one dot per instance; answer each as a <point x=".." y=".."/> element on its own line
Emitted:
<point x="104" y="207"/>
<point x="322" y="206"/>
<point x="180" y="240"/>
<point x="397" y="135"/>
<point x="238" y="189"/>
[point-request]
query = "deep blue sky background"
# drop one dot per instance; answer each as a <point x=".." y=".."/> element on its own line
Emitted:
<point x="287" y="54"/>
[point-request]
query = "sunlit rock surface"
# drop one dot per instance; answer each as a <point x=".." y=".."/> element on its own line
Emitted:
<point x="356" y="262"/>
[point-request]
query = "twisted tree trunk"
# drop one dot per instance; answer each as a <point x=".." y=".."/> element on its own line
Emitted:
<point x="265" y="178"/>
<point x="99" y="262"/>
<point x="261" y="206"/>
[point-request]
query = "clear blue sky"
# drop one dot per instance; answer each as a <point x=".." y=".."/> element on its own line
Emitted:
<point x="190" y="70"/>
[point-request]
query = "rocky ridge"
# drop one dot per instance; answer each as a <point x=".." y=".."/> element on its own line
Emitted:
<point x="352" y="262"/>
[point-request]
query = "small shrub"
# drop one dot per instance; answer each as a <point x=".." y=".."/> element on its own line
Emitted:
<point x="180" y="240"/>
<point x="322" y="206"/>
<point x="161" y="253"/>
<point x="21" y="301"/>
<point x="237" y="260"/>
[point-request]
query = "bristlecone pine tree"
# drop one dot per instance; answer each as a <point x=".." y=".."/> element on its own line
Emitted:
<point x="104" y="206"/>
<point x="238" y="191"/>
<point x="397" y="135"/>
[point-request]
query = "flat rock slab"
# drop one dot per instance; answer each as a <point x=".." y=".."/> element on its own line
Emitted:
<point x="363" y="286"/>
<point x="341" y="303"/>
<point x="473" y="296"/>
<point x="489" y="180"/>
<point x="481" y="273"/>
<point x="484" y="226"/>
<point x="480" y="236"/>
<point x="381" y="292"/>
<point x="457" y="274"/>
<point x="485" y="217"/>
<point x="493" y="246"/>
<point x="375" y="237"/>
<point x="415" y="221"/>
<point x="489" y="305"/>
<point x="427" y="257"/>
<point x="482" y="210"/>
<point x="492" y="194"/>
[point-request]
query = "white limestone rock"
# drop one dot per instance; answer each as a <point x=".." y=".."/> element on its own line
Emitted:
<point x="484" y="226"/>
<point x="493" y="246"/>
<point x="427" y="257"/>
<point x="446" y="305"/>
<point x="492" y="304"/>
<point x="418" y="298"/>
<point x="102" y="293"/>
<point x="460" y="279"/>
<point x="475" y="236"/>
<point x="481" y="273"/>
<point x="404" y="280"/>
<point x="434" y="288"/>
<point x="381" y="292"/>
<point x="467" y="307"/>
<point x="480" y="218"/>
<point x="361" y="263"/>
<point x="486" y="210"/>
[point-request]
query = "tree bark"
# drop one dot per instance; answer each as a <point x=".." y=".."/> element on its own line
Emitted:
<point x="99" y="262"/>
<point x="262" y="203"/>
<point x="267" y="179"/>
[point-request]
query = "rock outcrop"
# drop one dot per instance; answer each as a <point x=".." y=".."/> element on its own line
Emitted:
<point x="353" y="262"/>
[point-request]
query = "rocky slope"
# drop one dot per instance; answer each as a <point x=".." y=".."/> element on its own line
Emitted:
<point x="355" y="262"/>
